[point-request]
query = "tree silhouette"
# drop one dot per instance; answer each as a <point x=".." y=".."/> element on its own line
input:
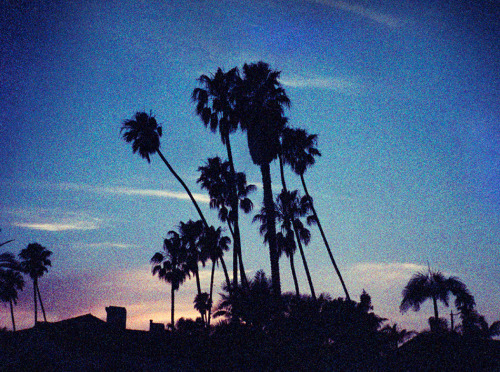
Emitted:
<point x="170" y="266"/>
<point x="35" y="262"/>
<point x="216" y="177"/>
<point x="298" y="149"/>
<point x="214" y="244"/>
<point x="216" y="106"/>
<point x="260" y="104"/>
<point x="433" y="286"/>
<point x="10" y="283"/>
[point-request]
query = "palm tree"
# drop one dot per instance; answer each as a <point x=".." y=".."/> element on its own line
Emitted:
<point x="433" y="286"/>
<point x="34" y="262"/>
<point x="170" y="266"/>
<point x="214" y="244"/>
<point x="215" y="104"/>
<point x="216" y="179"/>
<point x="8" y="261"/>
<point x="191" y="233"/>
<point x="144" y="133"/>
<point x="10" y="283"/>
<point x="299" y="151"/>
<point x="260" y="104"/>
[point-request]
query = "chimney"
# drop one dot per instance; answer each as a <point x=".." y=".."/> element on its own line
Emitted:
<point x="116" y="317"/>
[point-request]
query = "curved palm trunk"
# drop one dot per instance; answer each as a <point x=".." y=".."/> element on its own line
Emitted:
<point x="271" y="229"/>
<point x="304" y="261"/>
<point x="184" y="186"/>
<point x="324" y="238"/>
<point x="226" y="274"/>
<point x="41" y="303"/>
<point x="12" y="315"/>
<point x="294" y="275"/>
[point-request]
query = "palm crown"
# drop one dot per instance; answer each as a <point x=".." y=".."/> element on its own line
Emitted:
<point x="144" y="133"/>
<point x="35" y="260"/>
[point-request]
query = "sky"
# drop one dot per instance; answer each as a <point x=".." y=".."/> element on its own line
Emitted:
<point x="403" y="95"/>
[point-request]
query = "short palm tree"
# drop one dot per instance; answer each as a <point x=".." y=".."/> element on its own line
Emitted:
<point x="10" y="283"/>
<point x="34" y="261"/>
<point x="260" y="104"/>
<point x="432" y="286"/>
<point x="216" y="178"/>
<point x="298" y="149"/>
<point x="216" y="106"/>
<point x="214" y="244"/>
<point x="170" y="266"/>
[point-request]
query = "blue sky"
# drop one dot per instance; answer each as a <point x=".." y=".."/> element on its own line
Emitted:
<point x="403" y="96"/>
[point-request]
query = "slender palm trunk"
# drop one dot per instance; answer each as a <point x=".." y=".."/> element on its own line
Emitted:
<point x="211" y="291"/>
<point x="234" y="208"/>
<point x="172" y="308"/>
<point x="304" y="261"/>
<point x="12" y="315"/>
<point x="35" y="282"/>
<point x="198" y="287"/>
<point x="434" y="302"/>
<point x="243" y="276"/>
<point x="184" y="186"/>
<point x="41" y="303"/>
<point x="226" y="274"/>
<point x="324" y="238"/>
<point x="294" y="275"/>
<point x="271" y="229"/>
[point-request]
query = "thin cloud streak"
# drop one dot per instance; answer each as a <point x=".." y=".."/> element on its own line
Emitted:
<point x="127" y="191"/>
<point x="343" y="85"/>
<point x="379" y="17"/>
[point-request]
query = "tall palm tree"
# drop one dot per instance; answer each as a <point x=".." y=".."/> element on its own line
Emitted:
<point x="35" y="262"/>
<point x="434" y="286"/>
<point x="170" y="266"/>
<point x="144" y="133"/>
<point x="215" y="104"/>
<point x="216" y="178"/>
<point x="298" y="149"/>
<point x="260" y="104"/>
<point x="10" y="283"/>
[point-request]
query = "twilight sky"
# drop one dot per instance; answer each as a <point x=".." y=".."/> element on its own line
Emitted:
<point x="404" y="97"/>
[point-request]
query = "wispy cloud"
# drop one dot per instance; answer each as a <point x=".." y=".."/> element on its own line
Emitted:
<point x="53" y="219"/>
<point x="345" y="85"/>
<point x="128" y="191"/>
<point x="364" y="11"/>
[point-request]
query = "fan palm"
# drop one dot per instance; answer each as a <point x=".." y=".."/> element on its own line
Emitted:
<point x="298" y="149"/>
<point x="215" y="104"/>
<point x="216" y="178"/>
<point x="260" y="104"/>
<point x="170" y="266"/>
<point x="35" y="262"/>
<point x="434" y="286"/>
<point x="214" y="244"/>
<point x="10" y="283"/>
<point x="144" y="133"/>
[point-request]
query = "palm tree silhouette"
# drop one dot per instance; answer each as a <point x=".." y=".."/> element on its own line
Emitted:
<point x="34" y="262"/>
<point x="214" y="244"/>
<point x="298" y="149"/>
<point x="170" y="266"/>
<point x="8" y="261"/>
<point x="215" y="104"/>
<point x="260" y="104"/>
<point x="434" y="286"/>
<point x="216" y="179"/>
<point x="191" y="234"/>
<point x="10" y="283"/>
<point x="144" y="133"/>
